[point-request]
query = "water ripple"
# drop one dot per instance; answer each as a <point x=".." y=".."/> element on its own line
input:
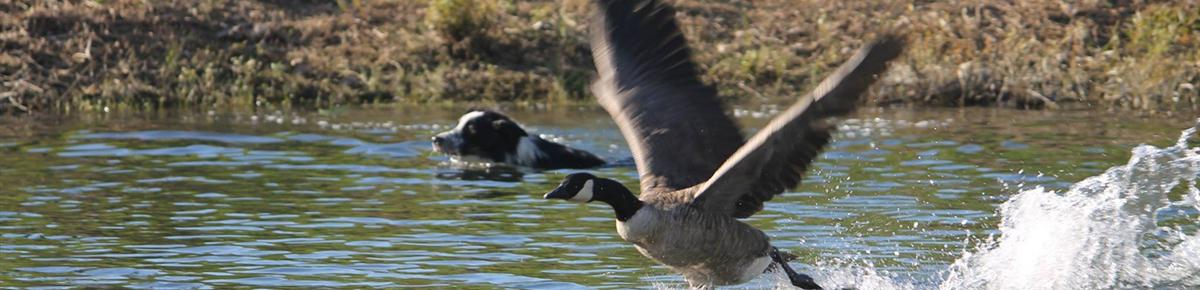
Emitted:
<point x="360" y="202"/>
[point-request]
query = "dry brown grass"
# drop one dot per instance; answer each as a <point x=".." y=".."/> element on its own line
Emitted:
<point x="1109" y="54"/>
<point x="77" y="55"/>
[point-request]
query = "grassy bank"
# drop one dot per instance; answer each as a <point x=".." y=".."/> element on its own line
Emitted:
<point x="70" y="55"/>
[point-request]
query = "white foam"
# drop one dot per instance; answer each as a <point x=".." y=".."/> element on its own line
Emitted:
<point x="1102" y="233"/>
<point x="1094" y="236"/>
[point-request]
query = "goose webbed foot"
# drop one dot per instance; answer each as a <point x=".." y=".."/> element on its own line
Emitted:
<point x="798" y="280"/>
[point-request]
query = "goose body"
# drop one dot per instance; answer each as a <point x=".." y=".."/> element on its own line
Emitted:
<point x="682" y="238"/>
<point x="698" y="175"/>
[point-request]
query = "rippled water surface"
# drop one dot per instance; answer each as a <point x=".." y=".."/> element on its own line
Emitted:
<point x="354" y="198"/>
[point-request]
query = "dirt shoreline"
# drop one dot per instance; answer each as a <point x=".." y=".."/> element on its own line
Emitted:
<point x="80" y="56"/>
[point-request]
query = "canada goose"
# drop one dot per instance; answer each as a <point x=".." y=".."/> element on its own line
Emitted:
<point x="697" y="176"/>
<point x="490" y="136"/>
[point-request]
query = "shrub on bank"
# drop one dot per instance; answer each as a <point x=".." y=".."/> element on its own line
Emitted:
<point x="83" y="55"/>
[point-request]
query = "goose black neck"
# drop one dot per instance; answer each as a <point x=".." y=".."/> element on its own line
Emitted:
<point x="623" y="202"/>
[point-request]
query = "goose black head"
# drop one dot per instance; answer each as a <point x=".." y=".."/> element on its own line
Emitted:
<point x="584" y="187"/>
<point x="577" y="187"/>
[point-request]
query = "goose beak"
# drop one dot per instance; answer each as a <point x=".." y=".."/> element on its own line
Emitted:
<point x="558" y="193"/>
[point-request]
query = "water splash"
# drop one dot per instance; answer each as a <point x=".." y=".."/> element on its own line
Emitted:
<point x="1109" y="231"/>
<point x="1099" y="234"/>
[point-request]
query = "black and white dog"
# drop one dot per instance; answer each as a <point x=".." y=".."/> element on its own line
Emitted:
<point x="488" y="136"/>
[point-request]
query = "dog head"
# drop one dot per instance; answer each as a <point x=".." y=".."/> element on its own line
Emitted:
<point x="482" y="134"/>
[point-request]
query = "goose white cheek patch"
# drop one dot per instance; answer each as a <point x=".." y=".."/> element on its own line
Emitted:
<point x="585" y="194"/>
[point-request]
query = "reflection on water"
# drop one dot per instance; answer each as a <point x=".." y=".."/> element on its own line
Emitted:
<point x="357" y="200"/>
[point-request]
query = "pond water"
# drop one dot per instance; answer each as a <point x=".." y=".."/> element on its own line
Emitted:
<point x="902" y="199"/>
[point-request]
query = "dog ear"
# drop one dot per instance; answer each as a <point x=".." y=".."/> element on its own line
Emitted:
<point x="507" y="127"/>
<point x="500" y="124"/>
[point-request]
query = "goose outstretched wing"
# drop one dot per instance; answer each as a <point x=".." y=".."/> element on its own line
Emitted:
<point x="775" y="158"/>
<point x="675" y="125"/>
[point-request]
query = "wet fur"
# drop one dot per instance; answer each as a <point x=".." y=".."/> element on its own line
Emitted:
<point x="490" y="136"/>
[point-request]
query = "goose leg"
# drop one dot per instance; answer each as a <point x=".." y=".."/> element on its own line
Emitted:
<point x="798" y="280"/>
